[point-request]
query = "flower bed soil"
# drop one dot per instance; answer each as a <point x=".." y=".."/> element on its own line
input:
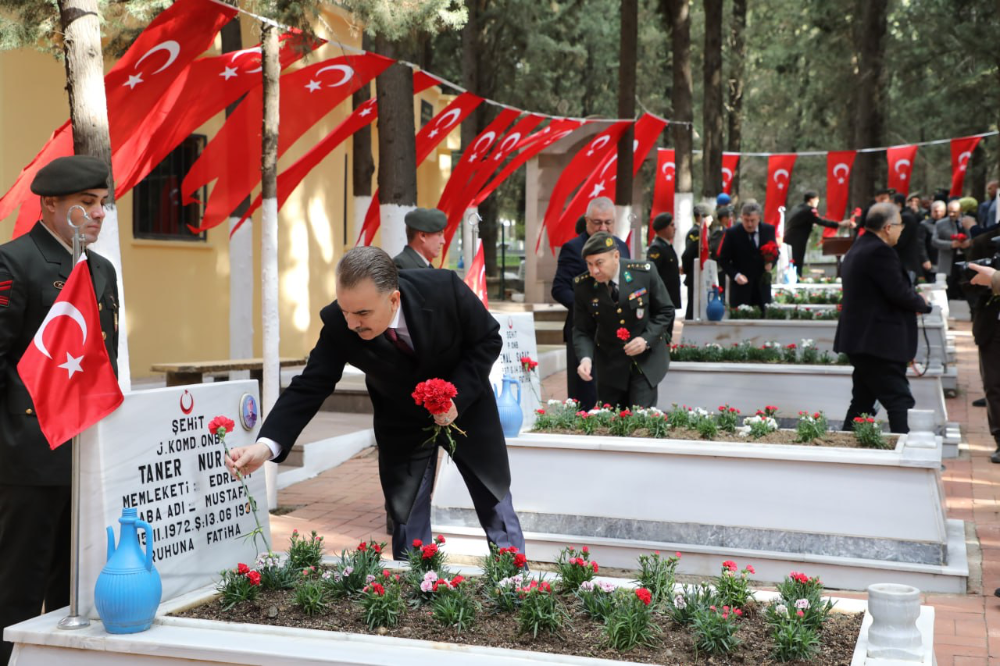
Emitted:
<point x="581" y="636"/>
<point x="839" y="439"/>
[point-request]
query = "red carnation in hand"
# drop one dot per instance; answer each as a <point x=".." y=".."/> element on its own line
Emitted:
<point x="623" y="334"/>
<point x="769" y="251"/>
<point x="644" y="595"/>
<point x="435" y="395"/>
<point x="220" y="425"/>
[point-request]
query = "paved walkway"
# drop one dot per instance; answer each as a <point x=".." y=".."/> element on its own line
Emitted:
<point x="345" y="505"/>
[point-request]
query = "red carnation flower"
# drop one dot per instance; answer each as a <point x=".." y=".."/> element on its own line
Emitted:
<point x="456" y="581"/>
<point x="729" y="564"/>
<point x="594" y="565"/>
<point x="528" y="364"/>
<point x="378" y="589"/>
<point x="242" y="569"/>
<point x="623" y="334"/>
<point x="377" y="548"/>
<point x="429" y="551"/>
<point x="751" y="569"/>
<point x="220" y="425"/>
<point x="253" y="577"/>
<point x="362" y="547"/>
<point x="644" y="595"/>
<point x="439" y="539"/>
<point x="417" y="543"/>
<point x="435" y="395"/>
<point x="520" y="560"/>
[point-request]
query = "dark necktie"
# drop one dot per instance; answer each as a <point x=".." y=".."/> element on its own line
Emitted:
<point x="755" y="241"/>
<point x="399" y="342"/>
<point x="614" y="290"/>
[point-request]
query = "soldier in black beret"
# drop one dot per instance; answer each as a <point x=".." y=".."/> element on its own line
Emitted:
<point x="662" y="255"/>
<point x="621" y="324"/>
<point x="34" y="480"/>
<point x="424" y="238"/>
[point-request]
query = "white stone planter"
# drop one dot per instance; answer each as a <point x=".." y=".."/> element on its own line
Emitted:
<point x="791" y="388"/>
<point x="855" y="517"/>
<point x="192" y="642"/>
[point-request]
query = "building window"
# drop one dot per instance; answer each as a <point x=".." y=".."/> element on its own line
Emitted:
<point x="157" y="212"/>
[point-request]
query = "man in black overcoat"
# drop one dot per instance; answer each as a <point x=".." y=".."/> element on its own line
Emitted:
<point x="662" y="255"/>
<point x="34" y="479"/>
<point x="402" y="328"/>
<point x="740" y="258"/>
<point x="878" y="321"/>
<point x="799" y="226"/>
<point x="600" y="216"/>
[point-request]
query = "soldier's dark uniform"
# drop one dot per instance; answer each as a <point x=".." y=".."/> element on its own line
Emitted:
<point x="428" y="220"/>
<point x="644" y="308"/>
<point x="662" y="255"/>
<point x="35" y="480"/>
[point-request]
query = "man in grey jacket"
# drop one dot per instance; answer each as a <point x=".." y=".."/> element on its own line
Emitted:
<point x="950" y="248"/>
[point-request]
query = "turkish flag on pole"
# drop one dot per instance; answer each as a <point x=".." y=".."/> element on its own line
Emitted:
<point x="838" y="185"/>
<point x="476" y="276"/>
<point x="473" y="157"/>
<point x="233" y="156"/>
<point x="177" y="35"/>
<point x="961" y="151"/>
<point x="901" y="167"/>
<point x="71" y="395"/>
<point x="730" y="162"/>
<point x="664" y="186"/>
<point x="779" y="176"/>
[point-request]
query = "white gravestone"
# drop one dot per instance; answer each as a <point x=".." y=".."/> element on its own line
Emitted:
<point x="517" y="330"/>
<point x="155" y="453"/>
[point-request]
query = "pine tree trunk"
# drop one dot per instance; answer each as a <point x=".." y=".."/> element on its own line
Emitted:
<point x="470" y="126"/>
<point x="737" y="70"/>
<point x="869" y="108"/>
<point x="397" y="148"/>
<point x="88" y="109"/>
<point x="628" y="38"/>
<point x="677" y="16"/>
<point x="711" y="182"/>
<point x="269" y="235"/>
<point x="362" y="164"/>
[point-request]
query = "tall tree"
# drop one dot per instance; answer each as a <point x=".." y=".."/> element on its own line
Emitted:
<point x="362" y="162"/>
<point x="737" y="70"/>
<point x="869" y="122"/>
<point x="677" y="21"/>
<point x="711" y="160"/>
<point x="627" y="50"/>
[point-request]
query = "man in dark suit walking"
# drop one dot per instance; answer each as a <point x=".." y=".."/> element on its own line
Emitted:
<point x="35" y="480"/>
<point x="401" y="329"/>
<point x="600" y="216"/>
<point x="740" y="258"/>
<point x="878" y="324"/>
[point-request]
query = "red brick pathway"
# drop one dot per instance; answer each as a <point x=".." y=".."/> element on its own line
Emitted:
<point x="345" y="505"/>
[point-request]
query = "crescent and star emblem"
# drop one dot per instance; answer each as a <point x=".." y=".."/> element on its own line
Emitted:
<point x="777" y="173"/>
<point x="837" y="167"/>
<point x="347" y="73"/>
<point x="727" y="173"/>
<point x="62" y="309"/>
<point x="599" y="142"/>
<point x="440" y="123"/>
<point x="230" y="72"/>
<point x="190" y="406"/>
<point x="172" y="48"/>
<point x="507" y="144"/>
<point x="963" y="160"/>
<point x="663" y="170"/>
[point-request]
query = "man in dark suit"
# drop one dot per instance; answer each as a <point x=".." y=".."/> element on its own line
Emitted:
<point x="600" y="216"/>
<point x="912" y="247"/>
<point x="35" y="480"/>
<point x="878" y="324"/>
<point x="740" y="258"/>
<point x="424" y="238"/>
<point x="613" y="299"/>
<point x="401" y="329"/>
<point x="662" y="255"/>
<point x="799" y="227"/>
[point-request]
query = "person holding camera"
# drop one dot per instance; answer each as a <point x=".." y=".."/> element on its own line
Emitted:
<point x="878" y="325"/>
<point x="986" y="323"/>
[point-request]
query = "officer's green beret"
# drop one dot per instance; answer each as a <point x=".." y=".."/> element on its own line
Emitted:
<point x="428" y="220"/>
<point x="69" y="175"/>
<point x="662" y="221"/>
<point x="701" y="210"/>
<point x="723" y="211"/>
<point x="600" y="242"/>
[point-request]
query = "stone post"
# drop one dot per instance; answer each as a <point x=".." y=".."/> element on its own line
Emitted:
<point x="893" y="633"/>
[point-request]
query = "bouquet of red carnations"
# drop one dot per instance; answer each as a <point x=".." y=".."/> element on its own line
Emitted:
<point x="435" y="395"/>
<point x="769" y="251"/>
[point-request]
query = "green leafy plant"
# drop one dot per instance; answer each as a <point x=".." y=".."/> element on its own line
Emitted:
<point x="238" y="585"/>
<point x="506" y="594"/>
<point x="624" y="423"/>
<point x="760" y="425"/>
<point x="305" y="552"/>
<point x="453" y="604"/>
<point x="868" y="433"/>
<point x="424" y="557"/>
<point x="733" y="585"/>
<point x="275" y="574"/>
<point x="728" y="418"/>
<point x="540" y="610"/>
<point x="311" y="596"/>
<point x="715" y="629"/>
<point x="597" y="598"/>
<point x="810" y="426"/>
<point x="657" y="574"/>
<point x="574" y="567"/>
<point x="683" y="605"/>
<point x="355" y="570"/>
<point x="502" y="563"/>
<point x="680" y="417"/>
<point x="794" y="639"/>
<point x="631" y="621"/>
<point x="804" y="596"/>
<point x="705" y="424"/>
<point x="382" y="602"/>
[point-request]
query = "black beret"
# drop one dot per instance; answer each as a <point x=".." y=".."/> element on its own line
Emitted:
<point x="723" y="211"/>
<point x="662" y="221"/>
<point x="69" y="175"/>
<point x="428" y="220"/>
<point x="600" y="242"/>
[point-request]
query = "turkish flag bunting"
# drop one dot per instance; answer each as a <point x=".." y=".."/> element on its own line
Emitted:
<point x="501" y="150"/>
<point x="476" y="275"/>
<point x="201" y="91"/>
<point x="703" y="245"/>
<point x="779" y="176"/>
<point x="664" y="186"/>
<point x="961" y="152"/>
<point x="602" y="182"/>
<point x="234" y="155"/>
<point x="838" y="186"/>
<point x="71" y="395"/>
<point x="428" y="138"/>
<point x="177" y="35"/>
<point x="528" y="147"/>
<point x="364" y="114"/>
<point x="901" y="167"/>
<point x="584" y="164"/>
<point x="730" y="162"/>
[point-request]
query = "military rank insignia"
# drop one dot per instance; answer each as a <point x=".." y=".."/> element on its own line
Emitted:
<point x="628" y="276"/>
<point x="654" y="255"/>
<point x="637" y="293"/>
<point x="5" y="288"/>
<point x="610" y="242"/>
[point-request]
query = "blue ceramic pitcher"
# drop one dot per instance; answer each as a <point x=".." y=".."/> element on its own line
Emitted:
<point x="509" y="408"/>
<point x="716" y="308"/>
<point x="128" y="590"/>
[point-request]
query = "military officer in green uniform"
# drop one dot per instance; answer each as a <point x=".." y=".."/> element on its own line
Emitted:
<point x="661" y="254"/>
<point x="621" y="321"/>
<point x="424" y="238"/>
<point x="35" y="480"/>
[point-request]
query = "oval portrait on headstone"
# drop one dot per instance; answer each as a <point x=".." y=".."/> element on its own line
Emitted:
<point x="248" y="411"/>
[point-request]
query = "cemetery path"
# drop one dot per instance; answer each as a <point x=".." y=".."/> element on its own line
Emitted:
<point x="345" y="505"/>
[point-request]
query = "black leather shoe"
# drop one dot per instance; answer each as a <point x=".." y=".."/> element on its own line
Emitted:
<point x="996" y="592"/>
<point x="979" y="403"/>
<point x="995" y="458"/>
